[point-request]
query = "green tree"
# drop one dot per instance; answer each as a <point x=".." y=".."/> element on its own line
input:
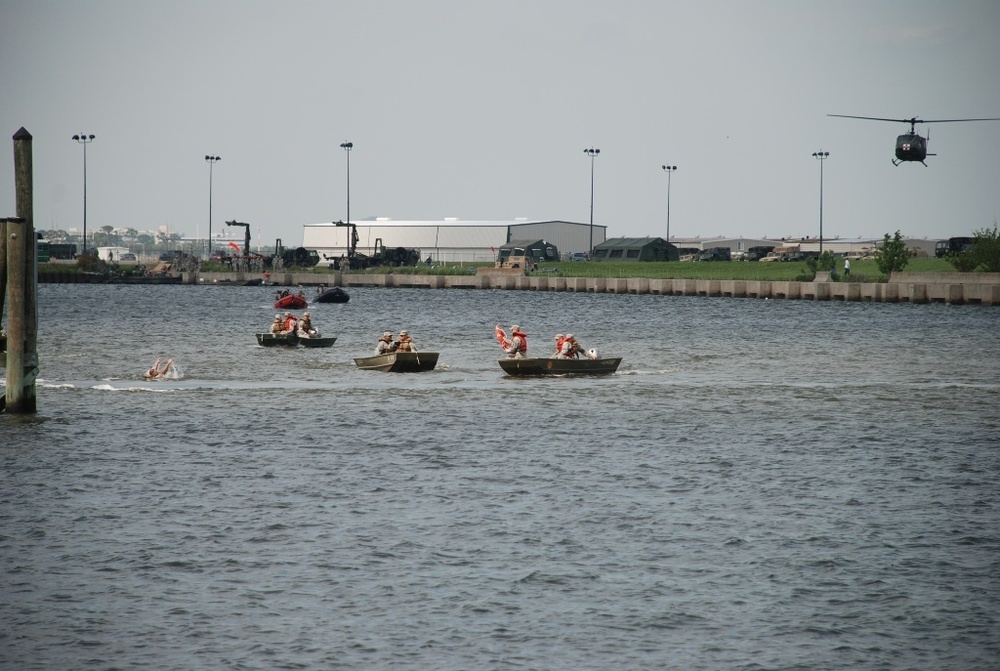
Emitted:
<point x="825" y="261"/>
<point x="893" y="255"/>
<point x="984" y="254"/>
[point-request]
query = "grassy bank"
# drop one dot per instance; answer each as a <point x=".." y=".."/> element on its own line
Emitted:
<point x="861" y="271"/>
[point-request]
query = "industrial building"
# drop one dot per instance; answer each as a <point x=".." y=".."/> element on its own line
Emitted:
<point x="450" y="240"/>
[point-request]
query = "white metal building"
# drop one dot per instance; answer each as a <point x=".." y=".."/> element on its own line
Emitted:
<point x="450" y="240"/>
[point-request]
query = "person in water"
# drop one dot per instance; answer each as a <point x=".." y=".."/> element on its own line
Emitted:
<point x="156" y="371"/>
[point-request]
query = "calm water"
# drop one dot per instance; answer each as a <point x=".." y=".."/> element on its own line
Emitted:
<point x="762" y="485"/>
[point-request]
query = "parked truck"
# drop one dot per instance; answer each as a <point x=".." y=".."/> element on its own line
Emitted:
<point x="783" y="253"/>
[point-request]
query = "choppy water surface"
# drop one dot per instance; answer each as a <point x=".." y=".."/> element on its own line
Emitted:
<point x="762" y="485"/>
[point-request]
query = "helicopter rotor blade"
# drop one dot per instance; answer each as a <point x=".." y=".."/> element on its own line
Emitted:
<point x="911" y="121"/>
<point x="875" y="118"/>
<point x="950" y="120"/>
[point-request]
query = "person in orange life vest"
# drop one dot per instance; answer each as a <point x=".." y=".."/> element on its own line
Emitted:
<point x="565" y="346"/>
<point x="559" y="338"/>
<point x="516" y="346"/>
<point x="405" y="342"/>
<point x="291" y="323"/>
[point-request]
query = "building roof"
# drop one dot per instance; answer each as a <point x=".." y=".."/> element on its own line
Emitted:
<point x="384" y="221"/>
<point x="525" y="243"/>
<point x="630" y="242"/>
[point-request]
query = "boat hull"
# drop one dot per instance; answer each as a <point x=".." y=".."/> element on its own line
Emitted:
<point x="151" y="279"/>
<point x="334" y="295"/>
<point x="552" y="366"/>
<point x="282" y="340"/>
<point x="399" y="362"/>
<point x="291" y="302"/>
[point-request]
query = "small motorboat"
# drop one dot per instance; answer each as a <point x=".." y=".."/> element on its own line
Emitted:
<point x="553" y="366"/>
<point x="292" y="340"/>
<point x="290" y="301"/>
<point x="332" y="295"/>
<point x="399" y="362"/>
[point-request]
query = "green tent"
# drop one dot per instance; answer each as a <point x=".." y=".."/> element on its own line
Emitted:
<point x="635" y="249"/>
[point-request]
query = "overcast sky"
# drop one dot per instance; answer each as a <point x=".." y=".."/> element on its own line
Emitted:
<point x="482" y="110"/>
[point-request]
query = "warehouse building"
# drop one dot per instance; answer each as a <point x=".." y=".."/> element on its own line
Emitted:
<point x="450" y="240"/>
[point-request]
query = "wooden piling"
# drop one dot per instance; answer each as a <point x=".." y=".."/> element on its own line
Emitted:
<point x="3" y="267"/>
<point x="14" y="401"/>
<point x="22" y="287"/>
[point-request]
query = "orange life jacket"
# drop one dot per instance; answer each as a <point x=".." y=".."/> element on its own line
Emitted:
<point x="524" y="340"/>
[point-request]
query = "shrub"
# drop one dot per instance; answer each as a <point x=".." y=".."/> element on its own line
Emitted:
<point x="893" y="255"/>
<point x="984" y="254"/>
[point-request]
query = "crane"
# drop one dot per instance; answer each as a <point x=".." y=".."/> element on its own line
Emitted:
<point x="246" y="235"/>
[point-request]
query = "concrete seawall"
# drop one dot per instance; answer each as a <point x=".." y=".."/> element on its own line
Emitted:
<point x="952" y="288"/>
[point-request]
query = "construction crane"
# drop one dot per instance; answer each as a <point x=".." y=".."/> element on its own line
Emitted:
<point x="246" y="235"/>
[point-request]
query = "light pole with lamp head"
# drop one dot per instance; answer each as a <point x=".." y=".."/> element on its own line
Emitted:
<point x="669" y="169"/>
<point x="820" y="156"/>
<point x="84" y="140"/>
<point x="592" y="153"/>
<point x="348" y="146"/>
<point x="211" y="163"/>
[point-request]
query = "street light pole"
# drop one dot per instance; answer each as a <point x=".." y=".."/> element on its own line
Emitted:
<point x="348" y="146"/>
<point x="669" y="169"/>
<point x="84" y="140"/>
<point x="820" y="156"/>
<point x="211" y="163"/>
<point x="593" y="155"/>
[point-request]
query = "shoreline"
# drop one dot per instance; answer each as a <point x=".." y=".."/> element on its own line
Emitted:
<point x="919" y="288"/>
<point x="950" y="288"/>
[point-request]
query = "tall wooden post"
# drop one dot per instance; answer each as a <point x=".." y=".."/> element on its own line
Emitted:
<point x="15" y="316"/>
<point x="3" y="266"/>
<point x="22" y="287"/>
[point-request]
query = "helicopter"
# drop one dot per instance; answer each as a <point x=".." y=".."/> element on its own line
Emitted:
<point x="910" y="146"/>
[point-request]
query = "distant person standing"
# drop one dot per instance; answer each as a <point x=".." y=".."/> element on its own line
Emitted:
<point x="847" y="268"/>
